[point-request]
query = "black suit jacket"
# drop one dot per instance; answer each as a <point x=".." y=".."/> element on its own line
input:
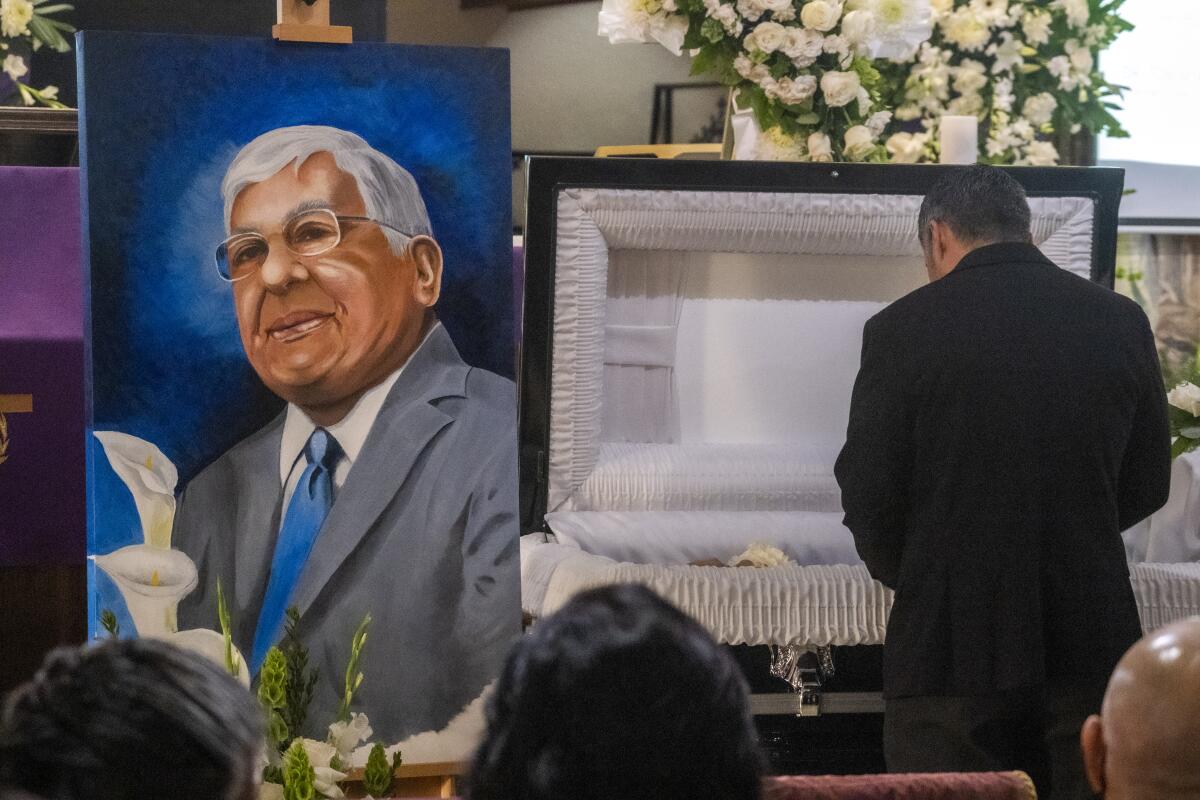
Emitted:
<point x="1007" y="423"/>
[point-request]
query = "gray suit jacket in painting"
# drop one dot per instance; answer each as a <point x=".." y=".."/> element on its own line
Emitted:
<point x="423" y="536"/>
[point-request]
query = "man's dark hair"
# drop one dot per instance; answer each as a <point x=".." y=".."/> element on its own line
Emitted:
<point x="618" y="695"/>
<point x="130" y="719"/>
<point x="980" y="204"/>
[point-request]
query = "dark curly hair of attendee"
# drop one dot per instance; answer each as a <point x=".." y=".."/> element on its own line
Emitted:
<point x="130" y="719"/>
<point x="618" y="696"/>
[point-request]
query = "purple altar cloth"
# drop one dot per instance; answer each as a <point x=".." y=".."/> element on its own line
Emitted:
<point x="42" y="501"/>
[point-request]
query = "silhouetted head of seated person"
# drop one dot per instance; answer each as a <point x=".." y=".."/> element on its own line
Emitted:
<point x="130" y="719"/>
<point x="1146" y="741"/>
<point x="618" y="695"/>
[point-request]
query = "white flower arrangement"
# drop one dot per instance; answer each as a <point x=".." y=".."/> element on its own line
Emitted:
<point x="25" y="27"/>
<point x="805" y="69"/>
<point x="1026" y="69"/>
<point x="760" y="554"/>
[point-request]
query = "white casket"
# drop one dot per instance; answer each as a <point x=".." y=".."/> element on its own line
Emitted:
<point x="692" y="335"/>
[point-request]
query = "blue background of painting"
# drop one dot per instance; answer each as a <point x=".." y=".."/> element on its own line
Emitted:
<point x="161" y="118"/>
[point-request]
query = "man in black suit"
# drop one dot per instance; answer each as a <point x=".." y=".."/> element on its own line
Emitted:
<point x="1007" y="423"/>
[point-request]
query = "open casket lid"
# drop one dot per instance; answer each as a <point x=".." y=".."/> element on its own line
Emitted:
<point x="610" y="318"/>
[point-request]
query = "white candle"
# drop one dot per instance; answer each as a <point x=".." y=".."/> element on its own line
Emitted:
<point x="960" y="140"/>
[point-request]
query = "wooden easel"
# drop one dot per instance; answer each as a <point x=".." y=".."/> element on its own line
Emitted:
<point x="300" y="21"/>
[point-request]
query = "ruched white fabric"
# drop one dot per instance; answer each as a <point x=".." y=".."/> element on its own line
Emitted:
<point x="710" y="477"/>
<point x="805" y="605"/>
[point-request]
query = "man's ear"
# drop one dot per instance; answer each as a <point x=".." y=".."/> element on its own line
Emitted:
<point x="426" y="256"/>
<point x="938" y="242"/>
<point x="1091" y="740"/>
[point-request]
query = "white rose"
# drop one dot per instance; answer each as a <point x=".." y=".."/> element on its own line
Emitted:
<point x="14" y="66"/>
<point x="859" y="143"/>
<point x="840" y="88"/>
<point x="15" y="16"/>
<point x="762" y="555"/>
<point x="750" y="9"/>
<point x="906" y="148"/>
<point x="346" y="736"/>
<point x="777" y="6"/>
<point x="767" y="37"/>
<point x="821" y="15"/>
<point x="796" y="91"/>
<point x="1039" y="109"/>
<point x="1186" y="397"/>
<point x="878" y="121"/>
<point x="859" y="27"/>
<point x="803" y="46"/>
<point x="820" y="148"/>
<point x="1036" y="26"/>
<point x="838" y="46"/>
<point x="1040" y="154"/>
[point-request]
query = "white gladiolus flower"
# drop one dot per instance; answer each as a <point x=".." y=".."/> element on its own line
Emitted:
<point x="859" y="143"/>
<point x="766" y="38"/>
<point x="14" y="66"/>
<point x="1186" y="397"/>
<point x="878" y="121"/>
<point x="820" y="148"/>
<point x="1040" y="154"/>
<point x="1036" y="25"/>
<point x="346" y="736"/>
<point x="969" y="77"/>
<point x="906" y="148"/>
<point x="1002" y="95"/>
<point x="966" y="29"/>
<point x="759" y="554"/>
<point x="821" y="15"/>
<point x="840" y="88"/>
<point x="1039" y="109"/>
<point x="150" y="477"/>
<point x="803" y="46"/>
<point x="15" y="16"/>
<point x="1007" y="53"/>
<point x="1076" y="10"/>
<point x="900" y="27"/>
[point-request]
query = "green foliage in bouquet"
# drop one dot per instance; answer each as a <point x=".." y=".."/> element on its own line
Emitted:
<point x="377" y="778"/>
<point x="272" y="696"/>
<point x="299" y="777"/>
<point x="233" y="664"/>
<point x="300" y="679"/>
<point x="354" y="677"/>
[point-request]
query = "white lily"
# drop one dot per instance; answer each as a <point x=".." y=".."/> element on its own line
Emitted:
<point x="152" y="582"/>
<point x="150" y="477"/>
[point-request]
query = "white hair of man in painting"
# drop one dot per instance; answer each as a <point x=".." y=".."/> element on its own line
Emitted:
<point x="389" y="191"/>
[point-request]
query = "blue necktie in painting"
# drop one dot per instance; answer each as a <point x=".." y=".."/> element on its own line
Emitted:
<point x="306" y="512"/>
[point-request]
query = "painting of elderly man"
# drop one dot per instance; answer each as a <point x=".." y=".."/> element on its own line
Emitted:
<point x="324" y="412"/>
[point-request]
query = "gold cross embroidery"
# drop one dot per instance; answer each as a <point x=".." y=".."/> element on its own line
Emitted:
<point x="11" y="404"/>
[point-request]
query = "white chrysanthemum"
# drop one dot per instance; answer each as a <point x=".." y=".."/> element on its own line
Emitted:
<point x="966" y="29"/>
<point x="14" y="66"/>
<point x="1040" y="154"/>
<point x="993" y="12"/>
<point x="775" y="145"/>
<point x="907" y="148"/>
<point x="759" y="554"/>
<point x="1003" y="97"/>
<point x="1039" y="109"/>
<point x="967" y="105"/>
<point x="15" y="16"/>
<point x="941" y="8"/>
<point x="969" y="76"/>
<point x="889" y="28"/>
